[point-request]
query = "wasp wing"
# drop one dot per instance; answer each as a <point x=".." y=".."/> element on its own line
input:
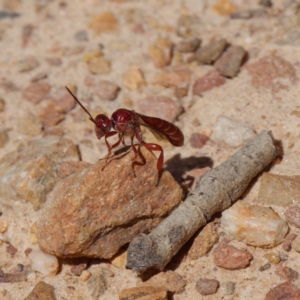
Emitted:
<point x="158" y="134"/>
<point x="162" y="130"/>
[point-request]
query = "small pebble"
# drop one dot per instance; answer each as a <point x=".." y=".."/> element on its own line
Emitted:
<point x="29" y="124"/>
<point x="204" y="241"/>
<point x="8" y="85"/>
<point x="31" y="276"/>
<point x="119" y="261"/>
<point x="104" y="23"/>
<point x="189" y="45"/>
<point x="85" y="275"/>
<point x="248" y="14"/>
<point x="230" y="288"/>
<point x="208" y="82"/>
<point x="107" y="90"/>
<point x="286" y="273"/>
<point x="33" y="233"/>
<point x="28" y="64"/>
<point x="287" y="243"/>
<point x="51" y="114"/>
<point x="20" y="267"/>
<point x="4" y="138"/>
<point x="173" y="78"/>
<point x="42" y="291"/>
<point x="58" y="131"/>
<point x="2" y="105"/>
<point x="11" y="4"/>
<point x="170" y="280"/>
<point x="99" y="65"/>
<point x="224" y="7"/>
<point x="8" y="14"/>
<point x="177" y="59"/>
<point x="11" y="250"/>
<point x="159" y="107"/>
<point x="265" y="267"/>
<point x="296" y="244"/>
<point x="144" y="292"/>
<point x="133" y="78"/>
<point x="36" y="92"/>
<point x="269" y="71"/>
<point x="198" y="140"/>
<point x="27" y="251"/>
<point x="209" y="53"/>
<point x="283" y="256"/>
<point x="107" y="272"/>
<point x="273" y="258"/>
<point x="207" y="286"/>
<point x="39" y="76"/>
<point x="229" y="63"/>
<point x="188" y="25"/>
<point x="81" y="36"/>
<point x="27" y="31"/>
<point x="54" y="61"/>
<point x="161" y="52"/>
<point x="96" y="285"/>
<point x="3" y="226"/>
<point x="231" y="258"/>
<point x="266" y="3"/>
<point x="66" y="102"/>
<point x="284" y="290"/>
<point x="44" y="263"/>
<point x="232" y="132"/>
<point x="92" y="54"/>
<point x="287" y="194"/>
<point x="78" y="269"/>
<point x="292" y="215"/>
<point x="181" y="92"/>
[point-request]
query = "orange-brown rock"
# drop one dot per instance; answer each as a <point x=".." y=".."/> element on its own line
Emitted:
<point x="95" y="212"/>
<point x="170" y="280"/>
<point x="144" y="293"/>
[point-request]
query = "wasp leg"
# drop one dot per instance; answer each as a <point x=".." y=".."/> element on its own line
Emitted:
<point x="160" y="160"/>
<point x="109" y="147"/>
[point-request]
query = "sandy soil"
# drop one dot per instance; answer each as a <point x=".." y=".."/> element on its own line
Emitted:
<point x="140" y="23"/>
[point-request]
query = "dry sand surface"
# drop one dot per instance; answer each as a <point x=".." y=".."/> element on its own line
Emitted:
<point x="129" y="43"/>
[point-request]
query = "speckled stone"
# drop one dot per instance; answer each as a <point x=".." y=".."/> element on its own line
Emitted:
<point x="128" y="204"/>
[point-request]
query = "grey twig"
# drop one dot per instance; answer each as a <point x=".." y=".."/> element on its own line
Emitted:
<point x="215" y="191"/>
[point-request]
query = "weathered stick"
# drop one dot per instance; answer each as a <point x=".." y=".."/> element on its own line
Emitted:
<point x="215" y="191"/>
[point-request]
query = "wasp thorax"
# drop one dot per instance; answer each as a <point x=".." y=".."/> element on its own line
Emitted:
<point x="103" y="125"/>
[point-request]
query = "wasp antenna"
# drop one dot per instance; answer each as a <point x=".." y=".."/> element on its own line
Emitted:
<point x="75" y="98"/>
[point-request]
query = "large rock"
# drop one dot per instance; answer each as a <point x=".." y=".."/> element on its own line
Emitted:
<point x="94" y="213"/>
<point x="30" y="172"/>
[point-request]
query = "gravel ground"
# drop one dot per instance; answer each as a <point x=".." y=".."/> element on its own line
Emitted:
<point x="114" y="54"/>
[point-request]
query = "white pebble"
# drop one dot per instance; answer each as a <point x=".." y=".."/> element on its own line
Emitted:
<point x="85" y="275"/>
<point x="31" y="277"/>
<point x="253" y="224"/>
<point x="44" y="263"/>
<point x="232" y="132"/>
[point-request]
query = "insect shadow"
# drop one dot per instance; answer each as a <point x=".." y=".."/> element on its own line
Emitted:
<point x="178" y="166"/>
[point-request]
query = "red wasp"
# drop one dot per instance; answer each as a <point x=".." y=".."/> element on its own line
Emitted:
<point x="127" y="123"/>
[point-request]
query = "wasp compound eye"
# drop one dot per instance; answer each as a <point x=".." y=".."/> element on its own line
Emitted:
<point x="103" y="125"/>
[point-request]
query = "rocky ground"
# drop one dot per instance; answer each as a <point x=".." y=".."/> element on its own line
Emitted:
<point x="222" y="71"/>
